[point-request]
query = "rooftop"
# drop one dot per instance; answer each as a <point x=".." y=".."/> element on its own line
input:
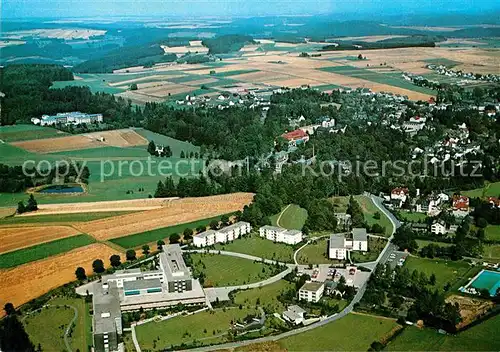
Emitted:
<point x="234" y="226"/>
<point x="336" y="241"/>
<point x="275" y="228"/>
<point x="359" y="234"/>
<point x="173" y="264"/>
<point x="205" y="233"/>
<point x="106" y="306"/>
<point x="141" y="284"/>
<point x="311" y="286"/>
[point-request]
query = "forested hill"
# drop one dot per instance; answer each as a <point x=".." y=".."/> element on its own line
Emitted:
<point x="227" y="43"/>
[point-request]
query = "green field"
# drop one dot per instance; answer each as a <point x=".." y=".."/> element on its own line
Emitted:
<point x="175" y="145"/>
<point x="61" y="218"/>
<point x="223" y="270"/>
<point x="206" y="328"/>
<point x="96" y="83"/>
<point x="369" y="209"/>
<point x="423" y="243"/>
<point x="491" y="251"/>
<point x="489" y="190"/>
<point x="412" y="217"/>
<point x="292" y="217"/>
<point x="315" y="253"/>
<point x="352" y="333"/>
<point x="445" y="271"/>
<point x="11" y="155"/>
<point x="482" y="337"/>
<point x="492" y="232"/>
<point x="47" y="326"/>
<point x="266" y="296"/>
<point x="260" y="247"/>
<point x="44" y="250"/>
<point x="139" y="239"/>
<point x="393" y="79"/>
<point x="106" y="152"/>
<point x="232" y="73"/>
<point x="27" y="132"/>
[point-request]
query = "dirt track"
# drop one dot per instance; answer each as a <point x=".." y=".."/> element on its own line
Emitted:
<point x="175" y="212"/>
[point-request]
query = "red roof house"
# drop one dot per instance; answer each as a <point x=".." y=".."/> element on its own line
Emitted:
<point x="460" y="202"/>
<point x="296" y="137"/>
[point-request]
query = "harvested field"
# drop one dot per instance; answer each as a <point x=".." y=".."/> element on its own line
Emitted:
<point x="117" y="138"/>
<point x="26" y="282"/>
<point x="259" y="77"/>
<point x="201" y="81"/>
<point x="173" y="213"/>
<point x="13" y="238"/>
<point x="166" y="89"/>
<point x="7" y="212"/>
<point x="143" y="80"/>
<point x="94" y="207"/>
<point x="370" y="39"/>
<point x="294" y="82"/>
<point x="138" y="98"/>
<point x="470" y="308"/>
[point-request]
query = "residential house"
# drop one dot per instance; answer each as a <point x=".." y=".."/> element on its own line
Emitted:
<point x="460" y="203"/>
<point x="359" y="240"/>
<point x="294" y="314"/>
<point x="311" y="291"/>
<point x="226" y="234"/>
<point x="296" y="137"/>
<point x="339" y="246"/>
<point x="279" y="234"/>
<point x="401" y="194"/>
<point x="495" y="202"/>
<point x="438" y="227"/>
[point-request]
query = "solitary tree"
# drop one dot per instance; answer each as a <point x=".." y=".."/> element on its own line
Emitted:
<point x="225" y="220"/>
<point x="187" y="234"/>
<point x="98" y="266"/>
<point x="80" y="273"/>
<point x="152" y="148"/>
<point x="133" y="86"/>
<point x="174" y="238"/>
<point x="115" y="260"/>
<point x="130" y="254"/>
<point x="32" y="204"/>
<point x="9" y="308"/>
<point x="160" y="244"/>
<point x="183" y="155"/>
<point x="21" y="208"/>
<point x="145" y="249"/>
<point x="214" y="224"/>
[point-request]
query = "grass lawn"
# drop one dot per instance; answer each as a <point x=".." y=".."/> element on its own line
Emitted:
<point x="315" y="253"/>
<point x="482" y="337"/>
<point x="375" y="246"/>
<point x="47" y="326"/>
<point x="423" y="243"/>
<point x="492" y="232"/>
<point x="491" y="251"/>
<point x="369" y="210"/>
<point x="61" y="218"/>
<point x="267" y="296"/>
<point x="44" y="250"/>
<point x="28" y="132"/>
<point x="175" y="145"/>
<point x="292" y="217"/>
<point x="489" y="190"/>
<point x="260" y="247"/>
<point x="206" y="328"/>
<point x="106" y="152"/>
<point x="340" y="203"/>
<point x="139" y="239"/>
<point x="354" y="332"/>
<point x="445" y="271"/>
<point x="412" y="217"/>
<point x="223" y="270"/>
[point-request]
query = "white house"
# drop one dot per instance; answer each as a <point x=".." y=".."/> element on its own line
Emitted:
<point x="339" y="246"/>
<point x="67" y="118"/>
<point x="279" y="234"/>
<point x="312" y="291"/>
<point x="294" y="314"/>
<point x="226" y="234"/>
<point x="400" y="193"/>
<point x="438" y="227"/>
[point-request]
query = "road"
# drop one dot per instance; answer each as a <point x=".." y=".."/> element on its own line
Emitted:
<point x="381" y="259"/>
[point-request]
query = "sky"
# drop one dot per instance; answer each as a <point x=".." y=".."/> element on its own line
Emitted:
<point x="198" y="8"/>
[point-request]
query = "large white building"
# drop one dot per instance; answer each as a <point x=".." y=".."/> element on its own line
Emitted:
<point x="67" y="118"/>
<point x="279" y="234"/>
<point x="438" y="227"/>
<point x="226" y="234"/>
<point x="339" y="246"/>
<point x="133" y="289"/>
<point x="312" y="291"/>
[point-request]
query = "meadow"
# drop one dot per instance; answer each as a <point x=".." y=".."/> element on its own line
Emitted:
<point x="315" y="252"/>
<point x="482" y="337"/>
<point x="44" y="250"/>
<point x="292" y="217"/>
<point x="44" y="327"/>
<point x="222" y="270"/>
<point x="375" y="247"/>
<point x="265" y="296"/>
<point x="16" y="133"/>
<point x="492" y="232"/>
<point x="369" y="210"/>
<point x="254" y="245"/>
<point x="412" y="216"/>
<point x="489" y="190"/>
<point x="446" y="272"/>
<point x="338" y="335"/>
<point x="206" y="328"/>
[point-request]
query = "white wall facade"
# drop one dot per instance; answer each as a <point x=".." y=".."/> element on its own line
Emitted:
<point x="339" y="253"/>
<point x="311" y="296"/>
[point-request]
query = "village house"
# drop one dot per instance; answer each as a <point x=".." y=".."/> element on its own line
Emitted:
<point x="296" y="137"/>
<point x="279" y="234"/>
<point x="400" y="195"/>
<point x="438" y="227"/>
<point x="460" y="203"/>
<point x="495" y="202"/>
<point x="312" y="291"/>
<point x="226" y="234"/>
<point x="294" y="314"/>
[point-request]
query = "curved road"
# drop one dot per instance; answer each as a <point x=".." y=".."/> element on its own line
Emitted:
<point x="383" y="256"/>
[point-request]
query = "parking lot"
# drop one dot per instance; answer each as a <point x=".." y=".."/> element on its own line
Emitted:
<point x="396" y="258"/>
<point x="353" y="276"/>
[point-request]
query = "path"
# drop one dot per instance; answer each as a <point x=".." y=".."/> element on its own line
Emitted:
<point x="279" y="217"/>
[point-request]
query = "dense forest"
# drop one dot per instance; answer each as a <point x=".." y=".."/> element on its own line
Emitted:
<point x="227" y="43"/>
